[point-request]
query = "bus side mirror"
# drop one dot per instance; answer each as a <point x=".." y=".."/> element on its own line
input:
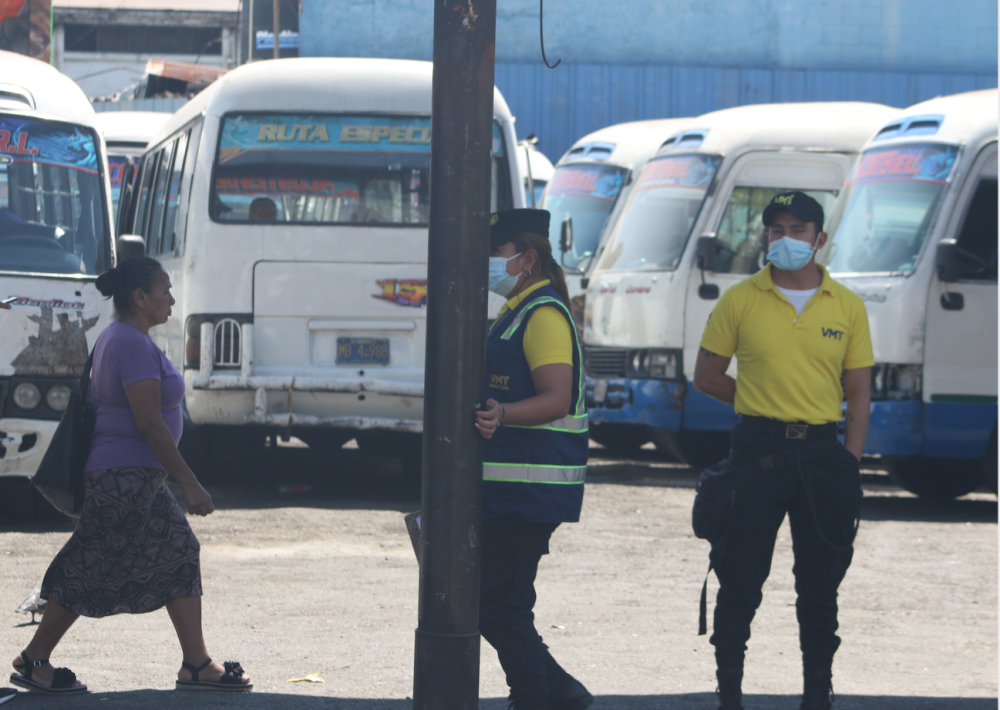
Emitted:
<point x="566" y="235"/>
<point x="706" y="251"/>
<point x="946" y="260"/>
<point x="130" y="245"/>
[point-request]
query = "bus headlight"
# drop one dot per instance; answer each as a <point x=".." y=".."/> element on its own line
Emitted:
<point x="57" y="397"/>
<point x="27" y="396"/>
<point x="655" y="364"/>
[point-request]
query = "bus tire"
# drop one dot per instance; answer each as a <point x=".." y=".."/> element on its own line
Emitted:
<point x="935" y="478"/>
<point x="990" y="464"/>
<point x="619" y="438"/>
<point x="405" y="446"/>
<point x="695" y="448"/>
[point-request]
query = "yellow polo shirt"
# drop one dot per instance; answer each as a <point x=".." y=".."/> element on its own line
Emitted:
<point x="789" y="365"/>
<point x="547" y="336"/>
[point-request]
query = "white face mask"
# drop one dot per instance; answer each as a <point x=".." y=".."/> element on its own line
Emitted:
<point x="501" y="282"/>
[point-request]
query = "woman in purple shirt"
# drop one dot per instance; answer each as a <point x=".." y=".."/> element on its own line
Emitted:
<point x="132" y="550"/>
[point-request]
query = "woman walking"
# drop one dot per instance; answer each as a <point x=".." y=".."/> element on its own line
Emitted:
<point x="132" y="550"/>
<point x="535" y="463"/>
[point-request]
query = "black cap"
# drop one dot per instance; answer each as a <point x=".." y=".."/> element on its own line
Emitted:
<point x="799" y="204"/>
<point x="508" y="225"/>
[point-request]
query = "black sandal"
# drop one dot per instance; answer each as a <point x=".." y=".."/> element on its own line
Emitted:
<point x="63" y="679"/>
<point x="230" y="682"/>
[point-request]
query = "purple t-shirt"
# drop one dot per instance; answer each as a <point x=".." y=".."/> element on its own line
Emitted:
<point x="122" y="357"/>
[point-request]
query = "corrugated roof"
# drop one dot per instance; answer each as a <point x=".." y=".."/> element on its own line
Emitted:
<point x="154" y="5"/>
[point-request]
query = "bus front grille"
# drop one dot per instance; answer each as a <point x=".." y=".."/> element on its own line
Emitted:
<point x="605" y="362"/>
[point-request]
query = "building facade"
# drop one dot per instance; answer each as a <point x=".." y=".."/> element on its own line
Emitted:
<point x="625" y="61"/>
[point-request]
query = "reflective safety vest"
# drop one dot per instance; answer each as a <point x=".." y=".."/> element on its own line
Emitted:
<point x="533" y="473"/>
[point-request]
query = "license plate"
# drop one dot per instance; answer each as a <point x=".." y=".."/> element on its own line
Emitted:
<point x="362" y="351"/>
<point x="600" y="391"/>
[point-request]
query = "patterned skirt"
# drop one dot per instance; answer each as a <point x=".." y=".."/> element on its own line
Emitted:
<point x="132" y="550"/>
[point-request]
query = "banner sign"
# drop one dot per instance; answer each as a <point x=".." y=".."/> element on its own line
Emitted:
<point x="679" y="171"/>
<point x="47" y="142"/>
<point x="601" y="181"/>
<point x="930" y="162"/>
<point x="244" y="133"/>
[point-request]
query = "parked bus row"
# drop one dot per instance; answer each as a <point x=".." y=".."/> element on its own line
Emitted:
<point x="911" y="200"/>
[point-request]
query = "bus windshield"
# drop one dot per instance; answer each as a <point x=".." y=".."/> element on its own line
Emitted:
<point x="585" y="194"/>
<point x="321" y="169"/>
<point x="660" y="214"/>
<point x="52" y="215"/>
<point x="881" y="222"/>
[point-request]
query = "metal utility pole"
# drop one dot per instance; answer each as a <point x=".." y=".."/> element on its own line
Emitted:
<point x="277" y="27"/>
<point x="446" y="666"/>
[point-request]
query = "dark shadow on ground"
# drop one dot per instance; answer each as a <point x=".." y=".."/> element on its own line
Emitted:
<point x="159" y="699"/>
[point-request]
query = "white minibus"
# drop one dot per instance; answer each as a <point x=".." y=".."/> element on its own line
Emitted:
<point x="289" y="204"/>
<point x="591" y="180"/>
<point x="55" y="238"/>
<point x="691" y="228"/>
<point x="126" y="134"/>
<point x="536" y="169"/>
<point x="915" y="234"/>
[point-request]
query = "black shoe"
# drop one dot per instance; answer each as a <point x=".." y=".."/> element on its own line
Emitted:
<point x="730" y="689"/>
<point x="817" y="690"/>
<point x="7" y="694"/>
<point x="572" y="696"/>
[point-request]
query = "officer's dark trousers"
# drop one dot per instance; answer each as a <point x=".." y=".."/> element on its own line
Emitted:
<point x="510" y="554"/>
<point x="743" y="561"/>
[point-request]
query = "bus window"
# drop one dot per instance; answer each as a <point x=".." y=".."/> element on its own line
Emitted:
<point x="52" y="214"/>
<point x="660" y="213"/>
<point x="893" y="195"/>
<point x="158" y="201"/>
<point x="317" y="169"/>
<point x="169" y="241"/>
<point x="741" y="232"/>
<point x="977" y="242"/>
<point x="148" y="168"/>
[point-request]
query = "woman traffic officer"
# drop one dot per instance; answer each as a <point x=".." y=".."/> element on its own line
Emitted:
<point x="535" y="426"/>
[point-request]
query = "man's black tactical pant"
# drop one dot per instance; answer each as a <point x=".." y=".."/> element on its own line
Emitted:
<point x="821" y="497"/>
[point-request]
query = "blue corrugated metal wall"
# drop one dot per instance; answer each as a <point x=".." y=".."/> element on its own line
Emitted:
<point x="561" y="105"/>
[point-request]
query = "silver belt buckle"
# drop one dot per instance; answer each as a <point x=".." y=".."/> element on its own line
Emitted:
<point x="796" y="431"/>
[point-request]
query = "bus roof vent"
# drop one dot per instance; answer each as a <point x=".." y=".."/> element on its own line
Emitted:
<point x="16" y="97"/>
<point x="911" y="126"/>
<point x="686" y="140"/>
<point x="592" y="151"/>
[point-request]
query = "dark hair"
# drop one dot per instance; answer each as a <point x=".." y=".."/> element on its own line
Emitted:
<point x="120" y="282"/>
<point x="546" y="262"/>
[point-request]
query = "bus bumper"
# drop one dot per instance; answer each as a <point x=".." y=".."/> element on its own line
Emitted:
<point x="654" y="403"/>
<point x="23" y="443"/>
<point x="940" y="429"/>
<point x="293" y="401"/>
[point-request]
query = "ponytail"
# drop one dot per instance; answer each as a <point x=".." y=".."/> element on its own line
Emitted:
<point x="120" y="282"/>
<point x="546" y="261"/>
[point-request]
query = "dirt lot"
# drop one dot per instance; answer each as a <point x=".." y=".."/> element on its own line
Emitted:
<point x="325" y="582"/>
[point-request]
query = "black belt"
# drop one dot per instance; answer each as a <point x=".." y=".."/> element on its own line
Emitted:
<point x="790" y="430"/>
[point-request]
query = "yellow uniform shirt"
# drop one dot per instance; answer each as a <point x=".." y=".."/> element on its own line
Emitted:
<point x="789" y="365"/>
<point x="547" y="336"/>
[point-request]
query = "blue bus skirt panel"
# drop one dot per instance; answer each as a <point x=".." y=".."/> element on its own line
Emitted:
<point x="895" y="428"/>
<point x="958" y="429"/>
<point x="702" y="413"/>
<point x="653" y="403"/>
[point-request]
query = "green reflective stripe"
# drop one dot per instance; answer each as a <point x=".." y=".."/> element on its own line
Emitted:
<point x="533" y="473"/>
<point x="571" y="423"/>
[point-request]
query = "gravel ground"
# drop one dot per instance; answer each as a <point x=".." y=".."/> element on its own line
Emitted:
<point x="325" y="582"/>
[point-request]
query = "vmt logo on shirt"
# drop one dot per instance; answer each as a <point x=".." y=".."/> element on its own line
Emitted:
<point x="831" y="333"/>
<point x="499" y="382"/>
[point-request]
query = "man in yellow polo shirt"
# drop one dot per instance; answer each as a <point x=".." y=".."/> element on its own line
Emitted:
<point x="794" y="331"/>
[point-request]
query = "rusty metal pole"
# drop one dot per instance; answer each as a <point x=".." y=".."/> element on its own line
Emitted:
<point x="446" y="664"/>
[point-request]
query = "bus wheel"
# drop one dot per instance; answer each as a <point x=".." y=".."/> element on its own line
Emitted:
<point x="619" y="438"/>
<point x="990" y="464"/>
<point x="695" y="448"/>
<point x="935" y="478"/>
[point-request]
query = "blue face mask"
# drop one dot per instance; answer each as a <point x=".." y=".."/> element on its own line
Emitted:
<point x="501" y="282"/>
<point x="789" y="254"/>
